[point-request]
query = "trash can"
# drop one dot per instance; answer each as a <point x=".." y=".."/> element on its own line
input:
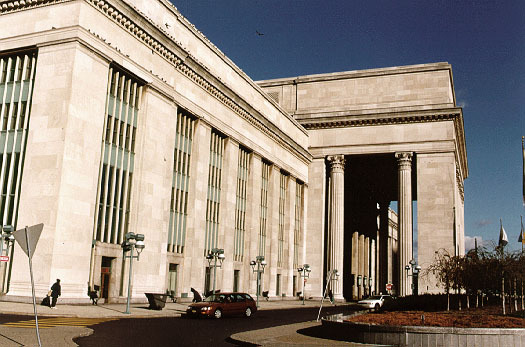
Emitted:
<point x="156" y="301"/>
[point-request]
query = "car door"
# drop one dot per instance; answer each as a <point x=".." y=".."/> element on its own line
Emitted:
<point x="240" y="304"/>
<point x="229" y="304"/>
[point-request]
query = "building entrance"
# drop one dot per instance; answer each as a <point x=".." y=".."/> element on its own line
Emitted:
<point x="105" y="277"/>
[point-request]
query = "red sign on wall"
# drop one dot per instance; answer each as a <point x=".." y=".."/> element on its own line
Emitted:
<point x="4" y="258"/>
<point x="389" y="286"/>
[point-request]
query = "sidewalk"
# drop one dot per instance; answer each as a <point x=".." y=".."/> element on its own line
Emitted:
<point x="62" y="336"/>
<point x="137" y="310"/>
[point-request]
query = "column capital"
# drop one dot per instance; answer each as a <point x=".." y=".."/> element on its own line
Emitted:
<point x="404" y="160"/>
<point x="337" y="162"/>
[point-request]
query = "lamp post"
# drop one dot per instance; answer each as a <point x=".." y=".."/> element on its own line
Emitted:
<point x="132" y="241"/>
<point x="415" y="274"/>
<point x="261" y="263"/>
<point x="304" y="272"/>
<point x="6" y="236"/>
<point x="213" y="255"/>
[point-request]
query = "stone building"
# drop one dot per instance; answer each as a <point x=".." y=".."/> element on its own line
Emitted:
<point x="119" y="116"/>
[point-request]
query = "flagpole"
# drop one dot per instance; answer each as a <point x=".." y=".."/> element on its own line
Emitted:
<point x="523" y="150"/>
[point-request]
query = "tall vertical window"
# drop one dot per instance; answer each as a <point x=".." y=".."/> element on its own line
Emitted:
<point x="118" y="153"/>
<point x="240" y="205"/>
<point x="298" y="221"/>
<point x="214" y="192"/>
<point x="282" y="203"/>
<point x="180" y="183"/>
<point x="264" y="207"/>
<point x="17" y="72"/>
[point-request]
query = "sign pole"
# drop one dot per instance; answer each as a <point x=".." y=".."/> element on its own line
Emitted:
<point x="33" y="287"/>
<point x="324" y="294"/>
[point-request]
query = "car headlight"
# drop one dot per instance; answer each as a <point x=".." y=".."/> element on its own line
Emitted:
<point x="189" y="308"/>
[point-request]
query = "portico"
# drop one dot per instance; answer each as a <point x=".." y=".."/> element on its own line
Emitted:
<point x="386" y="137"/>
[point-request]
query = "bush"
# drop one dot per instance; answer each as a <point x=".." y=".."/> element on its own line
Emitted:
<point x="425" y="302"/>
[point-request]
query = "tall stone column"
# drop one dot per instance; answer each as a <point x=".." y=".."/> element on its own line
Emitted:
<point x="336" y="234"/>
<point x="355" y="263"/>
<point x="361" y="265"/>
<point x="385" y="261"/>
<point x="404" y="161"/>
<point x="366" y="266"/>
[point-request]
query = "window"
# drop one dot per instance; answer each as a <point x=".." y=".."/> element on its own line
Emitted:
<point x="282" y="205"/>
<point x="298" y="221"/>
<point x="116" y="167"/>
<point x="214" y="192"/>
<point x="16" y="83"/>
<point x="180" y="182"/>
<point x="240" y="206"/>
<point x="264" y="207"/>
<point x="236" y="279"/>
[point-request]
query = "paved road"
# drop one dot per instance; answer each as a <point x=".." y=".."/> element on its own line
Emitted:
<point x="176" y="331"/>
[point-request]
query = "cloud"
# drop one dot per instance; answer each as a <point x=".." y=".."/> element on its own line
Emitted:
<point x="470" y="243"/>
<point x="483" y="222"/>
<point x="462" y="104"/>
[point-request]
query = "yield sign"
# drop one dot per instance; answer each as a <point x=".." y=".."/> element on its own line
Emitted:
<point x="29" y="237"/>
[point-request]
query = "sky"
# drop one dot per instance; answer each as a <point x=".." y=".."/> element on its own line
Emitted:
<point x="484" y="41"/>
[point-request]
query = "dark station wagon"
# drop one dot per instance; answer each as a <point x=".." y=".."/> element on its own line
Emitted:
<point x="223" y="304"/>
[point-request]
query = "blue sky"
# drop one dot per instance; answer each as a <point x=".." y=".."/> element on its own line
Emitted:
<point x="484" y="41"/>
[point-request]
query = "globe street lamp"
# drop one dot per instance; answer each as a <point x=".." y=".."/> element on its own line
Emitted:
<point x="6" y="236"/>
<point x="414" y="275"/>
<point x="261" y="263"/>
<point x="304" y="272"/>
<point x="212" y="257"/>
<point x="133" y="241"/>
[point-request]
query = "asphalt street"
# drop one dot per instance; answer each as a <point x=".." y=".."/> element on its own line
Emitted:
<point x="181" y="331"/>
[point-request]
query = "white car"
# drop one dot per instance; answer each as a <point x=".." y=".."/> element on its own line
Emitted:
<point x="374" y="302"/>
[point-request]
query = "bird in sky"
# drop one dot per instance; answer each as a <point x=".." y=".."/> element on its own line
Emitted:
<point x="258" y="33"/>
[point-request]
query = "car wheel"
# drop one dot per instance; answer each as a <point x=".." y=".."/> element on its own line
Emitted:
<point x="376" y="307"/>
<point x="218" y="313"/>
<point x="248" y="312"/>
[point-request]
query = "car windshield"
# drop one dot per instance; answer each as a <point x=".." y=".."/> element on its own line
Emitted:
<point x="214" y="298"/>
<point x="375" y="297"/>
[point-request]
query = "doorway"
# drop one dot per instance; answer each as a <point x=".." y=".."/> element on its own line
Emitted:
<point x="172" y="284"/>
<point x="105" y="277"/>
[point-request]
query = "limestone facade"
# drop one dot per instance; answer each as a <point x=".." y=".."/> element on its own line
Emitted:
<point x="402" y="138"/>
<point x="133" y="121"/>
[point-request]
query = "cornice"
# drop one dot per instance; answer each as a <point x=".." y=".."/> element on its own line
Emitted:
<point x="315" y="123"/>
<point x="200" y="35"/>
<point x="186" y="65"/>
<point x="19" y="5"/>
<point x="393" y="118"/>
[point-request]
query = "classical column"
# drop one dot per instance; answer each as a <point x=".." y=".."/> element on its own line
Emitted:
<point x="404" y="161"/>
<point x="361" y="264"/>
<point x="335" y="237"/>
<point x="366" y="272"/>
<point x="385" y="262"/>
<point x="373" y="265"/>
<point x="355" y="263"/>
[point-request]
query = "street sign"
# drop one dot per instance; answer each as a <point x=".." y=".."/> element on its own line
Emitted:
<point x="389" y="286"/>
<point x="30" y="237"/>
<point x="27" y="238"/>
<point x="4" y="258"/>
